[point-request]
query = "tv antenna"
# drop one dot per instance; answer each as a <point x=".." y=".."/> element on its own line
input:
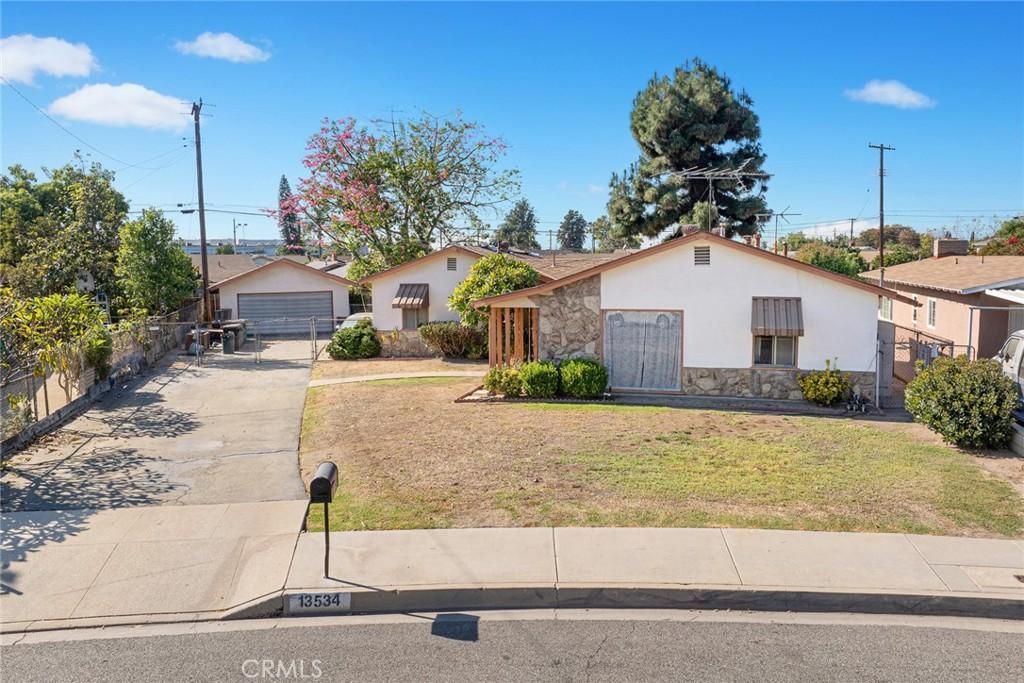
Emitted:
<point x="738" y="175"/>
<point x="784" y="215"/>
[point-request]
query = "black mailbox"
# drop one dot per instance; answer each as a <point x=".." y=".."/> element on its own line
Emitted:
<point x="324" y="483"/>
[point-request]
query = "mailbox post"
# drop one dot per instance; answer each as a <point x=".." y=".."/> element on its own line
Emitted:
<point x="321" y="490"/>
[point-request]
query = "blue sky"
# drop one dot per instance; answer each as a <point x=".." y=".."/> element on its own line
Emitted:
<point x="556" y="81"/>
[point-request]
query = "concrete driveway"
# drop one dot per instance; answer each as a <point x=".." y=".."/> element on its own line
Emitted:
<point x="226" y="432"/>
<point x="178" y="496"/>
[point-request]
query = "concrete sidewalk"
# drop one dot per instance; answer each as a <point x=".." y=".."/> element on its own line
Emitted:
<point x="69" y="568"/>
<point x="602" y="567"/>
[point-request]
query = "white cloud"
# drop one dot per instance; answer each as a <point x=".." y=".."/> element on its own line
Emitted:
<point x="128" y="104"/>
<point x="891" y="94"/>
<point x="25" y="55"/>
<point x="222" y="46"/>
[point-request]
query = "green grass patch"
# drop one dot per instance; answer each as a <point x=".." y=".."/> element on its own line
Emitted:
<point x="825" y="474"/>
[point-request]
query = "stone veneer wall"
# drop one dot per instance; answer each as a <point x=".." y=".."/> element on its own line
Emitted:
<point x="402" y="344"/>
<point x="570" y="320"/>
<point x="759" y="383"/>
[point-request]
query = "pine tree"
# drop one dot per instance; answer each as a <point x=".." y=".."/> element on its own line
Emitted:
<point x="572" y="231"/>
<point x="287" y="220"/>
<point x="691" y="119"/>
<point x="519" y="228"/>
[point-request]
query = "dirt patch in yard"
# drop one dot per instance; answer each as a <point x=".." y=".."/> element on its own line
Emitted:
<point x="325" y="368"/>
<point x="411" y="458"/>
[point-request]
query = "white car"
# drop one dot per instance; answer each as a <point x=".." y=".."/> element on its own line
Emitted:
<point x="1010" y="357"/>
<point x="354" y="320"/>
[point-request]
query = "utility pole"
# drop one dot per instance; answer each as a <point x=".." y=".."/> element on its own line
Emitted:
<point x="234" y="233"/>
<point x="881" y="209"/>
<point x="197" y="107"/>
<point x="851" y="230"/>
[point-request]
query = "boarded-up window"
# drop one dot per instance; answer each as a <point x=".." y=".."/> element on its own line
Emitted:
<point x="702" y="256"/>
<point x="642" y="349"/>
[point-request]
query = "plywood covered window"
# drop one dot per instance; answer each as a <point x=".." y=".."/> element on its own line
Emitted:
<point x="643" y="349"/>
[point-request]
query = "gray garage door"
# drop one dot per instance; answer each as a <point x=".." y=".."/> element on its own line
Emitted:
<point x="287" y="314"/>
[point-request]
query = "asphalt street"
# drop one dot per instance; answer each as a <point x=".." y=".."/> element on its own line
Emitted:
<point x="463" y="648"/>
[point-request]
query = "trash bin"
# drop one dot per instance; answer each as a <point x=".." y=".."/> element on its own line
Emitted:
<point x="228" y="342"/>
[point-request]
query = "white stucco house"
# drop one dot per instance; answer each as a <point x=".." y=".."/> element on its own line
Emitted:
<point x="283" y="295"/>
<point x="700" y="314"/>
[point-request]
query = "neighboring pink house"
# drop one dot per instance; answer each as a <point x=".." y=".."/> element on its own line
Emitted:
<point x="963" y="300"/>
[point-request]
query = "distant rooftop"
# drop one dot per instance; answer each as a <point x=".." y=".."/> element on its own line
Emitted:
<point x="959" y="274"/>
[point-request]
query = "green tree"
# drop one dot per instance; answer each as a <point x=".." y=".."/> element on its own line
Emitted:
<point x="62" y="232"/>
<point x="1011" y="228"/>
<point x="63" y="333"/>
<point x="155" y="272"/>
<point x="519" y="228"/>
<point x="869" y="237"/>
<point x="573" y="231"/>
<point x="490" y="276"/>
<point x="287" y="219"/>
<point x="897" y="254"/>
<point x="832" y="258"/>
<point x="609" y="238"/>
<point x="388" y="194"/>
<point x="704" y="215"/>
<point x="795" y="240"/>
<point x="223" y="249"/>
<point x="692" y="119"/>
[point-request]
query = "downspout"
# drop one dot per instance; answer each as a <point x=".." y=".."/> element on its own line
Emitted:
<point x="878" y="374"/>
<point x="970" y="331"/>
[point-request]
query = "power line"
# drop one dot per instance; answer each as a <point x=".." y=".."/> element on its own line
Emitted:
<point x="57" y="123"/>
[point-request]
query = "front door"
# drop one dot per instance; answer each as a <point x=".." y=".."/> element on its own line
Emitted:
<point x="643" y="349"/>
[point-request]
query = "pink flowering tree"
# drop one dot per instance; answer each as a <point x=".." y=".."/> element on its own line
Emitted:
<point x="395" y="191"/>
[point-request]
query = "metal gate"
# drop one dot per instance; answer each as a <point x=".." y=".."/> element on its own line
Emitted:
<point x="288" y="314"/>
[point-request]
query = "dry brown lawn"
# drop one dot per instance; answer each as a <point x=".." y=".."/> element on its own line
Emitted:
<point x="327" y="368"/>
<point x="412" y="458"/>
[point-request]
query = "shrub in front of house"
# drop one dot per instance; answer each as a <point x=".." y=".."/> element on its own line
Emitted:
<point x="452" y="340"/>
<point x="504" y="380"/>
<point x="825" y="387"/>
<point x="351" y="343"/>
<point x="582" y="378"/>
<point x="539" y="379"/>
<point x="968" y="403"/>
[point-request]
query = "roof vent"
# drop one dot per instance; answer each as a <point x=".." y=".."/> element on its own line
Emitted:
<point x="702" y="255"/>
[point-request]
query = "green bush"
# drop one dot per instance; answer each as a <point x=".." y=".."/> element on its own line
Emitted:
<point x="504" y="380"/>
<point x="99" y="349"/>
<point x="968" y="403"/>
<point x="582" y="378"/>
<point x="539" y="378"/>
<point x="452" y="340"/>
<point x="825" y="387"/>
<point x="355" y="342"/>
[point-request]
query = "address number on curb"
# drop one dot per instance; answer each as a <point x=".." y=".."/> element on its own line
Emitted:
<point x="308" y="603"/>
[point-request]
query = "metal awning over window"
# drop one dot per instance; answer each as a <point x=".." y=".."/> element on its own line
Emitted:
<point x="777" y="317"/>
<point x="410" y="296"/>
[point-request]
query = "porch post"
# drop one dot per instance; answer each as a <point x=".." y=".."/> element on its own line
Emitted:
<point x="507" y="320"/>
<point x="535" y="333"/>
<point x="520" y="335"/>
<point x="492" y="341"/>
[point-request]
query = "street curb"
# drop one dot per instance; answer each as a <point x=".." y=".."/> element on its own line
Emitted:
<point x="448" y="599"/>
<point x="478" y="598"/>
